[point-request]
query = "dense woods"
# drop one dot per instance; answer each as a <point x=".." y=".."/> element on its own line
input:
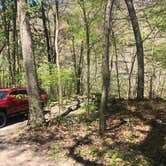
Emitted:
<point x="67" y="39"/>
<point x="99" y="51"/>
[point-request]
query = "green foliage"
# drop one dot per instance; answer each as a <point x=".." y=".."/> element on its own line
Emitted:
<point x="58" y="119"/>
<point x="157" y="53"/>
<point x="20" y="96"/>
<point x="76" y="24"/>
<point x="92" y="106"/>
<point x="96" y="151"/>
<point x="33" y="7"/>
<point x="8" y="9"/>
<point x="48" y="75"/>
<point x="115" y="158"/>
<point x="157" y="16"/>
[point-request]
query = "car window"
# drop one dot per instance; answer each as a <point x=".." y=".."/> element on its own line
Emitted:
<point x="14" y="94"/>
<point x="23" y="92"/>
<point x="3" y="95"/>
<point x="19" y="94"/>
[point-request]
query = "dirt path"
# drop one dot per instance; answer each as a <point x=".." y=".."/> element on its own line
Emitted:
<point x="14" y="154"/>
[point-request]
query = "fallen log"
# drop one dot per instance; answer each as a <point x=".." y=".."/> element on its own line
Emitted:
<point x="70" y="109"/>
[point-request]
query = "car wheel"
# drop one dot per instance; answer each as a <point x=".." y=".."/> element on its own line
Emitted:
<point x="3" y="119"/>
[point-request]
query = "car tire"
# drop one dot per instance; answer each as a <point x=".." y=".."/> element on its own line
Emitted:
<point x="3" y="119"/>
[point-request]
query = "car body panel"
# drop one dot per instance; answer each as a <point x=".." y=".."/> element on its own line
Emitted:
<point x="16" y="100"/>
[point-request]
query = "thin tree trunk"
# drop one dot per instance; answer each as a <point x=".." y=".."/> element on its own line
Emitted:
<point x="116" y="64"/>
<point x="60" y="97"/>
<point x="130" y="74"/>
<point x="151" y="87"/>
<point x="159" y="81"/>
<point x="46" y="32"/>
<point x="14" y="38"/>
<point x="15" y="44"/>
<point x="79" y="70"/>
<point x="77" y="65"/>
<point x="163" y="86"/>
<point x="139" y="46"/>
<point x="124" y="59"/>
<point x="105" y="67"/>
<point x="87" y="35"/>
<point x="53" y="41"/>
<point x="36" y="114"/>
<point x="111" y="63"/>
<point x="74" y="60"/>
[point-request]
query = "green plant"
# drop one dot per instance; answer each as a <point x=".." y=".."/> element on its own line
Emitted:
<point x="48" y="77"/>
<point x="96" y="151"/>
<point x="114" y="156"/>
<point x="92" y="106"/>
<point x="54" y="151"/>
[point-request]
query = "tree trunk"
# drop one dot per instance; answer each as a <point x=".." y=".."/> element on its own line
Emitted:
<point x="60" y="97"/>
<point x="139" y="45"/>
<point x="36" y="114"/>
<point x="116" y="64"/>
<point x="87" y="36"/>
<point x="79" y="70"/>
<point x="105" y="67"/>
<point x="15" y="44"/>
<point x="77" y="63"/>
<point x="46" y="32"/>
<point x="130" y="75"/>
<point x="74" y="60"/>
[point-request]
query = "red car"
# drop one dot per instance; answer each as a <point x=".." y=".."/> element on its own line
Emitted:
<point x="13" y="102"/>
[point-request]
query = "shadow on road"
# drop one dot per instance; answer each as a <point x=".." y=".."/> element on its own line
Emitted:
<point x="16" y="119"/>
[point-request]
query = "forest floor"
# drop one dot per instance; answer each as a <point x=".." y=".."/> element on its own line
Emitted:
<point x="16" y="153"/>
<point x="135" y="135"/>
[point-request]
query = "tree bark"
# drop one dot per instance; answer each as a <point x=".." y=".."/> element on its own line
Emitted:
<point x="116" y="64"/>
<point x="79" y="70"/>
<point x="60" y="97"/>
<point x="139" y="46"/>
<point x="15" y="39"/>
<point x="130" y="75"/>
<point x="105" y="67"/>
<point x="77" y="63"/>
<point x="88" y="49"/>
<point x="46" y="32"/>
<point x="35" y="112"/>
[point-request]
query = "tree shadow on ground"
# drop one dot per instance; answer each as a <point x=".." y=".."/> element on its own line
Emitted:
<point x="153" y="146"/>
<point x="77" y="157"/>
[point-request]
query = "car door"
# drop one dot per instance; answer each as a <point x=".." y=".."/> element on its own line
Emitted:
<point x="14" y="102"/>
<point x="24" y="106"/>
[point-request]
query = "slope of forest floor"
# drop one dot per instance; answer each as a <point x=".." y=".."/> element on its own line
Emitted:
<point x="135" y="135"/>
